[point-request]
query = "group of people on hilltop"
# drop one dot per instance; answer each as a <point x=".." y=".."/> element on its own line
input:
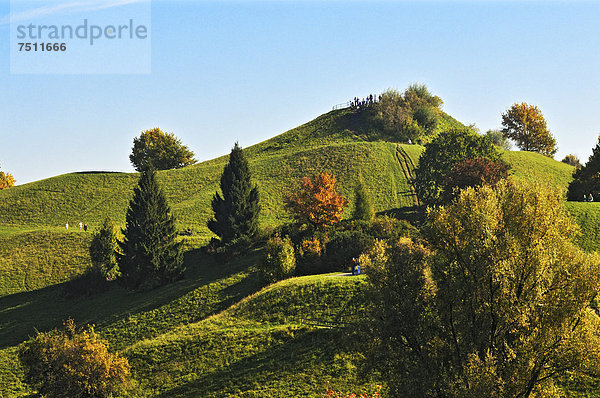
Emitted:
<point x="357" y="102"/>
<point x="82" y="226"/>
<point x="588" y="198"/>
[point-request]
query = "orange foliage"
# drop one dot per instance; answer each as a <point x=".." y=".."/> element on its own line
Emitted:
<point x="317" y="202"/>
<point x="6" y="180"/>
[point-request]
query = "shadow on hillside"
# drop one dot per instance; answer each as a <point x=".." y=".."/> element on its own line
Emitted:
<point x="413" y="214"/>
<point x="21" y="314"/>
<point x="293" y="358"/>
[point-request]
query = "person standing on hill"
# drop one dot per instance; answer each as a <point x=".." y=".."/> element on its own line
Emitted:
<point x="80" y="226"/>
<point x="67" y="226"/>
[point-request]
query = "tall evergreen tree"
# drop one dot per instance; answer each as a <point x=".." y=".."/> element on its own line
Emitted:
<point x="363" y="206"/>
<point x="586" y="180"/>
<point x="150" y="256"/>
<point x="237" y="211"/>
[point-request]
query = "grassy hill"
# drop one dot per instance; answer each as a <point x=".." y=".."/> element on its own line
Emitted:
<point x="218" y="332"/>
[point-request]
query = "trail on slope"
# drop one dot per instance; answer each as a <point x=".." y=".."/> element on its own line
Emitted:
<point x="406" y="164"/>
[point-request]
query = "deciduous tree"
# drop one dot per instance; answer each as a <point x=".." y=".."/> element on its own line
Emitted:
<point x="473" y="173"/>
<point x="237" y="208"/>
<point x="442" y="155"/>
<point x="73" y="363"/>
<point x="500" y="308"/>
<point x="317" y="202"/>
<point x="159" y="150"/>
<point x="150" y="253"/>
<point x="572" y="160"/>
<point x="525" y="124"/>
<point x="6" y="180"/>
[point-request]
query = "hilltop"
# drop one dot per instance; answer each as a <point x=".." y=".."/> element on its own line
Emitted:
<point x="219" y="330"/>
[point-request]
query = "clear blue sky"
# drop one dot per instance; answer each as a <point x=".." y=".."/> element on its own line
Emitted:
<point x="246" y="71"/>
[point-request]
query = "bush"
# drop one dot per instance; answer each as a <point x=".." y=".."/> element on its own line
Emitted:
<point x="73" y="363"/>
<point x="344" y="246"/>
<point x="279" y="261"/>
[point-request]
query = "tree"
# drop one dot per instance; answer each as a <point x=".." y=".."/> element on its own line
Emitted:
<point x="103" y="250"/>
<point x="279" y="261"/>
<point x="236" y="213"/>
<point x="317" y="202"/>
<point x="162" y="151"/>
<point x="473" y="173"/>
<point x="410" y="116"/>
<point x="497" y="138"/>
<point x="586" y="180"/>
<point x="6" y="180"/>
<point x="73" y="363"/>
<point x="572" y="160"/>
<point x="150" y="253"/>
<point x="499" y="308"/>
<point x="442" y="155"/>
<point x="363" y="206"/>
<point x="526" y="125"/>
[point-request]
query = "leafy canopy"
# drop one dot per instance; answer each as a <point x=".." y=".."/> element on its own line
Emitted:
<point x="441" y="157"/>
<point x="237" y="210"/>
<point x="317" y="202"/>
<point x="499" y="308"/>
<point x="525" y="124"/>
<point x="159" y="150"/>
<point x="73" y="363"/>
<point x="150" y="254"/>
<point x="6" y="180"/>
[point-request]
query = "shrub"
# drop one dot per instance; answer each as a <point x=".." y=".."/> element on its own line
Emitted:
<point x="473" y="173"/>
<point x="344" y="246"/>
<point x="279" y="261"/>
<point x="73" y="363"/>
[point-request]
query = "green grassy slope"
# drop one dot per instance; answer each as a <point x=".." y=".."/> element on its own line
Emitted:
<point x="35" y="259"/>
<point x="539" y="168"/>
<point x="178" y="349"/>
<point x="262" y="347"/>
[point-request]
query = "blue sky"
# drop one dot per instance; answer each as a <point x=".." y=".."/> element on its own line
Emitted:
<point x="246" y="71"/>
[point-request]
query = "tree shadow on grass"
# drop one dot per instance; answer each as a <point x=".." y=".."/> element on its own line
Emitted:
<point x="296" y="359"/>
<point x="413" y="214"/>
<point x="21" y="314"/>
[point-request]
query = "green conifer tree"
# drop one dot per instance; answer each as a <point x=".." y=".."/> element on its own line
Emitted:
<point x="363" y="206"/>
<point x="586" y="180"/>
<point x="103" y="250"/>
<point x="237" y="210"/>
<point x="150" y="256"/>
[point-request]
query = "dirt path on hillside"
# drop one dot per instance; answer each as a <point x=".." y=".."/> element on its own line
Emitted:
<point x="406" y="164"/>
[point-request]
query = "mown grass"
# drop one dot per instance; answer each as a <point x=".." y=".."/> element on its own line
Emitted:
<point x="179" y="347"/>
<point x="268" y="345"/>
<point x="35" y="259"/>
<point x="215" y="333"/>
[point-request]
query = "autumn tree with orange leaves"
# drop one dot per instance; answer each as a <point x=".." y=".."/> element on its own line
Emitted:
<point x="6" y="180"/>
<point x="525" y="124"/>
<point x="317" y="202"/>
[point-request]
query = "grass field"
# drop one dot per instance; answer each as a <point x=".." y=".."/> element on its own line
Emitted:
<point x="219" y="331"/>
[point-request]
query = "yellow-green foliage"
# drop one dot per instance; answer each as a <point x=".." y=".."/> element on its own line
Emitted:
<point x="73" y="363"/>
